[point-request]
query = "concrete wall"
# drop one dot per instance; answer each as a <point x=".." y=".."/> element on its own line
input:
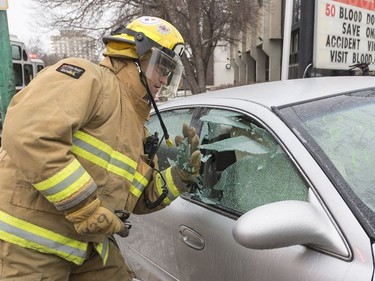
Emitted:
<point x="258" y="57"/>
<point x="223" y="67"/>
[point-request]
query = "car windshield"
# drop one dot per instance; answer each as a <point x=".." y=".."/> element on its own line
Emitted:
<point x="339" y="132"/>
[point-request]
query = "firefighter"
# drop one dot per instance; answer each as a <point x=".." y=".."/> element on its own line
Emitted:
<point x="73" y="154"/>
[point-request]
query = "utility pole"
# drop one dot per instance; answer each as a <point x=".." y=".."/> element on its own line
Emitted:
<point x="306" y="38"/>
<point x="286" y="39"/>
<point x="7" y="87"/>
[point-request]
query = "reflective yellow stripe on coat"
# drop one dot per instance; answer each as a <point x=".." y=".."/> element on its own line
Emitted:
<point x="64" y="184"/>
<point x="31" y="236"/>
<point x="103" y="250"/>
<point x="173" y="192"/>
<point x="27" y="235"/>
<point x="101" y="154"/>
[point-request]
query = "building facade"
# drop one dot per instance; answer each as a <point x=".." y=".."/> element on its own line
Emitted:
<point x="258" y="57"/>
<point x="73" y="43"/>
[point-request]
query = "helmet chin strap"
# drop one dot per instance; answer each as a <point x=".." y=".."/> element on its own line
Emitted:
<point x="151" y="99"/>
<point x="142" y="46"/>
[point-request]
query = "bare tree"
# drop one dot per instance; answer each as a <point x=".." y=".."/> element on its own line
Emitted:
<point x="202" y="23"/>
<point x="50" y="59"/>
<point x="35" y="48"/>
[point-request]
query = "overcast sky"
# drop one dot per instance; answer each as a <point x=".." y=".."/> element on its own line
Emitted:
<point x="20" y="22"/>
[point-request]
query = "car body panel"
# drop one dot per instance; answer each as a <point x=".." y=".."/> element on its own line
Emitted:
<point x="280" y="93"/>
<point x="165" y="245"/>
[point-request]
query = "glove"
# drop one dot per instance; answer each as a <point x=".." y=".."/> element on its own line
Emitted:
<point x="188" y="157"/>
<point x="94" y="219"/>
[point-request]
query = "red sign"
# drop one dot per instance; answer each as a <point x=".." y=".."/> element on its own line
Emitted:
<point x="363" y="4"/>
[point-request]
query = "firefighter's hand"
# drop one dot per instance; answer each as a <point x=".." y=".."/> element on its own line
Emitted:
<point x="189" y="157"/>
<point x="94" y="219"/>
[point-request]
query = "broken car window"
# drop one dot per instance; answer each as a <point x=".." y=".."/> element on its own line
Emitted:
<point x="243" y="166"/>
<point x="246" y="167"/>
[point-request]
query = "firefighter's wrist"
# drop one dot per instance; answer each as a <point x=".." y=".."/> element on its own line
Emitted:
<point x="82" y="211"/>
<point x="94" y="219"/>
<point x="180" y="178"/>
<point x="84" y="203"/>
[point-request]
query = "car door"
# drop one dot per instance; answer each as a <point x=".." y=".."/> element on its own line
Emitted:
<point x="244" y="166"/>
<point x="150" y="247"/>
<point x="249" y="167"/>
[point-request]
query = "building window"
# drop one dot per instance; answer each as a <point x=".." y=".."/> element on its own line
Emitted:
<point x="297" y="11"/>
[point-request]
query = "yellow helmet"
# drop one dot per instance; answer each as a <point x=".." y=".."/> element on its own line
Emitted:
<point x="156" y="44"/>
<point x="160" y="33"/>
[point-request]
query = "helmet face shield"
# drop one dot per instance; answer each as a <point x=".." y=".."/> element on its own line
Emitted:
<point x="157" y="46"/>
<point x="163" y="72"/>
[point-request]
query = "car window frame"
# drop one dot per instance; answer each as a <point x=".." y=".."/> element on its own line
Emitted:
<point x="253" y="110"/>
<point x="230" y="213"/>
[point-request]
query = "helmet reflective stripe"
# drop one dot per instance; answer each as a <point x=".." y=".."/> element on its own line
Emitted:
<point x="101" y="154"/>
<point x="71" y="180"/>
<point x="27" y="235"/>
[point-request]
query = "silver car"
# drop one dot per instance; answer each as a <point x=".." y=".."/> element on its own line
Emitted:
<point x="286" y="189"/>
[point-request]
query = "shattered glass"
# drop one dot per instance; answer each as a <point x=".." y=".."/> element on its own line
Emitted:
<point x="243" y="166"/>
<point x="241" y="143"/>
<point x="258" y="180"/>
<point x="229" y="119"/>
<point x="260" y="173"/>
<point x="173" y="121"/>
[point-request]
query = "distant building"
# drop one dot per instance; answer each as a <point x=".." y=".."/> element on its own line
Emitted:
<point x="73" y="43"/>
<point x="258" y="57"/>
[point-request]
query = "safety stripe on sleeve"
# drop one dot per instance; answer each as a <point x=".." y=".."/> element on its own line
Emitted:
<point x="159" y="182"/>
<point x="103" y="250"/>
<point x="27" y="235"/>
<point x="101" y="154"/>
<point x="78" y="198"/>
<point x="173" y="192"/>
<point x="139" y="183"/>
<point x="65" y="183"/>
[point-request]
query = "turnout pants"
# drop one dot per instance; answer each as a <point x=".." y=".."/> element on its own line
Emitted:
<point x="20" y="264"/>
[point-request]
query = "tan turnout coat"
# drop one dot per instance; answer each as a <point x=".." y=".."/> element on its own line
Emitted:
<point x="74" y="117"/>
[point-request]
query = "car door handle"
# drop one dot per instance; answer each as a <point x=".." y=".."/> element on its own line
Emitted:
<point x="191" y="238"/>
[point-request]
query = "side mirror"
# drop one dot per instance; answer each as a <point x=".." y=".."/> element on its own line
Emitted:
<point x="288" y="223"/>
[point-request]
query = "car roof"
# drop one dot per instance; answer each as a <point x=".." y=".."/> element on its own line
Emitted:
<point x="284" y="92"/>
